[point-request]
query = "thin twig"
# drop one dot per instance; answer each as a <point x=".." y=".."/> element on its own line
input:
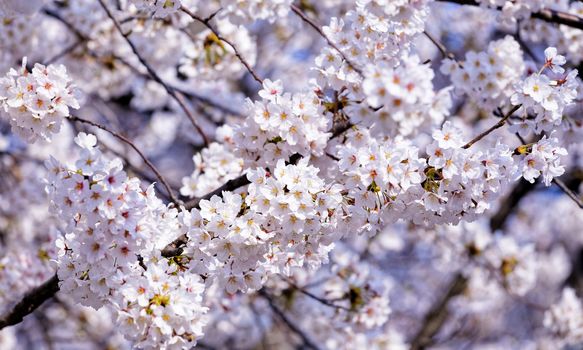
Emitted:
<point x="276" y="310"/>
<point x="81" y="37"/>
<point x="142" y="174"/>
<point x="310" y="22"/>
<point x="135" y="148"/>
<point x="440" y="46"/>
<point x="172" y="92"/>
<point x="494" y="127"/>
<point x="68" y="24"/>
<point x="64" y="52"/>
<point x="315" y="297"/>
<point x="230" y="185"/>
<point x="206" y="21"/>
<point x="524" y="46"/>
<point x="212" y="15"/>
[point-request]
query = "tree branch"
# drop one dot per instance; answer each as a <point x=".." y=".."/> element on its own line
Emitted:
<point x="30" y="302"/>
<point x="494" y="127"/>
<point x="547" y="15"/>
<point x="440" y="46"/>
<point x="276" y="310"/>
<point x="64" y="52"/>
<point x="124" y="139"/>
<point x="522" y="188"/>
<point x="321" y="300"/>
<point x="313" y="24"/>
<point x="206" y="22"/>
<point x="568" y="192"/>
<point x="438" y="314"/>
<point x="171" y="91"/>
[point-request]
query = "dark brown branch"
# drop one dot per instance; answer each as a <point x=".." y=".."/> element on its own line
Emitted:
<point x="206" y="22"/>
<point x="172" y="92"/>
<point x="313" y="24"/>
<point x="546" y="15"/>
<point x="68" y="24"/>
<point x="64" y="52"/>
<point x="230" y="185"/>
<point x="315" y="297"/>
<point x="507" y="206"/>
<point x="438" y="314"/>
<point x="210" y="102"/>
<point x="494" y="127"/>
<point x="276" y="310"/>
<point x="30" y="302"/>
<point x="242" y="180"/>
<point x="568" y="192"/>
<point x="135" y="148"/>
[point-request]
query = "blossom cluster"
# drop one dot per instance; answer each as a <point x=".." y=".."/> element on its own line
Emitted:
<point x="214" y="166"/>
<point x="357" y="302"/>
<point x="35" y="102"/>
<point x="512" y="11"/>
<point x="389" y="180"/>
<point x="287" y="219"/>
<point x="159" y="8"/>
<point x="565" y="318"/>
<point x="375" y="31"/>
<point x="109" y="234"/>
<point x="543" y="97"/>
<point x="107" y="256"/>
<point x="400" y="99"/>
<point x="208" y="56"/>
<point x="161" y="307"/>
<point x="29" y="269"/>
<point x="352" y="210"/>
<point x="503" y="260"/>
<point x="488" y="77"/>
<point x="13" y="8"/>
<point x="20" y="39"/>
<point x="249" y="11"/>
<point x="542" y="158"/>
<point x="281" y="125"/>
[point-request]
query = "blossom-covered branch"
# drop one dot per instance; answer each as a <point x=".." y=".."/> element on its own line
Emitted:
<point x="388" y="185"/>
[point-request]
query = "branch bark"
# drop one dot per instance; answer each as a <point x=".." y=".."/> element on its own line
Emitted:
<point x="551" y="16"/>
<point x="292" y="326"/>
<point x="206" y="22"/>
<point x="30" y="302"/>
<point x="313" y="24"/>
<point x="135" y="148"/>
<point x="438" y="314"/>
<point x="494" y="127"/>
<point x="171" y="91"/>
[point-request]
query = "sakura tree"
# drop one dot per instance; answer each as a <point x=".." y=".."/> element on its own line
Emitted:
<point x="253" y="174"/>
